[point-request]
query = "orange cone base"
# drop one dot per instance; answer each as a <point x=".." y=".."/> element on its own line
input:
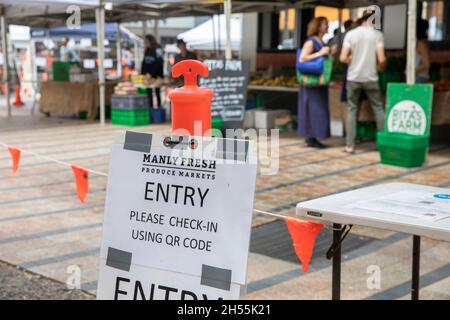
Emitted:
<point x="18" y="104"/>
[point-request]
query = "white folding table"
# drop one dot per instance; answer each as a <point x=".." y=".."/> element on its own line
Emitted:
<point x="408" y="208"/>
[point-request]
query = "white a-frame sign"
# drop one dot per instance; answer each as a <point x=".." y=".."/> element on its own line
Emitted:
<point x="177" y="218"/>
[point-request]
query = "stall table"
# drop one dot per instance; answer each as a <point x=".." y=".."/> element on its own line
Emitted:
<point x="272" y="88"/>
<point x="259" y="90"/>
<point x="402" y="207"/>
<point x="69" y="98"/>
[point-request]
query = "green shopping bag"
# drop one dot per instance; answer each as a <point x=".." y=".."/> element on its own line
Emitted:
<point x="313" y="80"/>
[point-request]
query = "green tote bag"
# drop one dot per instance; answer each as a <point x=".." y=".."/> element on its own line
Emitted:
<point x="313" y="80"/>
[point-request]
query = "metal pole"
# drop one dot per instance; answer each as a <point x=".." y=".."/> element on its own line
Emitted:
<point x="119" y="51"/>
<point x="336" y="275"/>
<point x="214" y="35"/>
<point x="219" y="44"/>
<point x="3" y="26"/>
<point x="415" y="268"/>
<point x="411" y="45"/>
<point x="138" y="48"/>
<point x="227" y="11"/>
<point x="156" y="30"/>
<point x="34" y="75"/>
<point x="100" y="18"/>
<point x="137" y="56"/>
<point x="144" y="28"/>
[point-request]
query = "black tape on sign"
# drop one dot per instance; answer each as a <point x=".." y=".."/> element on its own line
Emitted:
<point x="138" y="141"/>
<point x="232" y="149"/>
<point x="216" y="277"/>
<point x="119" y="259"/>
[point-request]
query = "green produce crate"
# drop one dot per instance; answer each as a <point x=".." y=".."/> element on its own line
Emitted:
<point x="217" y="123"/>
<point x="61" y="71"/>
<point x="402" y="150"/>
<point x="366" y="130"/>
<point x="130" y="118"/>
<point x="142" y="90"/>
<point x="129" y="102"/>
<point x="82" y="115"/>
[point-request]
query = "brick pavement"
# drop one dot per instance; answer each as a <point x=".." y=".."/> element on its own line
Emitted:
<point x="44" y="228"/>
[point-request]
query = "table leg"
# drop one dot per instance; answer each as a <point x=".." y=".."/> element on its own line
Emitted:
<point x="415" y="268"/>
<point x="336" y="276"/>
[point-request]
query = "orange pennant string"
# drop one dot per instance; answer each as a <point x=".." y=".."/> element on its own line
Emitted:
<point x="15" y="155"/>
<point x="81" y="181"/>
<point x="303" y="234"/>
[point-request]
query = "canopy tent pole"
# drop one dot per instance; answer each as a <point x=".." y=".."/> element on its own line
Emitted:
<point x="137" y="56"/>
<point x="227" y="11"/>
<point x="156" y="30"/>
<point x="137" y="49"/>
<point x="411" y="45"/>
<point x="214" y="36"/>
<point x="219" y="29"/>
<point x="144" y="28"/>
<point x="3" y="26"/>
<point x="119" y="51"/>
<point x="100" y="19"/>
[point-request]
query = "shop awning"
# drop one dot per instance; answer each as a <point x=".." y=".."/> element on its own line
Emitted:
<point x="86" y="30"/>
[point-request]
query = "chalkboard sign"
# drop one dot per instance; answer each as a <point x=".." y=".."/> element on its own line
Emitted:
<point x="228" y="79"/>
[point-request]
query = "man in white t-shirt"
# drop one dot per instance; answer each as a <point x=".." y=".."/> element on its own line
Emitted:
<point x="363" y="51"/>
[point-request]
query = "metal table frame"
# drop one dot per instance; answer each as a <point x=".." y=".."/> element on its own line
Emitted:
<point x="339" y="233"/>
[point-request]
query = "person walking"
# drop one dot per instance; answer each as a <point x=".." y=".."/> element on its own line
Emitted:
<point x="363" y="51"/>
<point x="313" y="112"/>
<point x="153" y="66"/>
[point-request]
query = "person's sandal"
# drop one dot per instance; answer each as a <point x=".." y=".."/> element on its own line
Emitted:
<point x="349" y="150"/>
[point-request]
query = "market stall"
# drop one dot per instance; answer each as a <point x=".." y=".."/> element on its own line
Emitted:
<point x="75" y="82"/>
<point x="273" y="87"/>
<point x="46" y="45"/>
<point x="19" y="12"/>
<point x="70" y="98"/>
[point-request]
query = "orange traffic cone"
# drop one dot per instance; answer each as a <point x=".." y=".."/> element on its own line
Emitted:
<point x="18" y="102"/>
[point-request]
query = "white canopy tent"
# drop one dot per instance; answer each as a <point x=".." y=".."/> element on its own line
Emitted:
<point x="212" y="34"/>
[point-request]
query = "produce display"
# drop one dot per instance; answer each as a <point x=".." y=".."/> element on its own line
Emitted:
<point x="280" y="81"/>
<point x="138" y="84"/>
<point x="147" y="80"/>
<point x="125" y="88"/>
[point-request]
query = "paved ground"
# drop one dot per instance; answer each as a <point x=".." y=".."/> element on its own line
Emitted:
<point x="18" y="284"/>
<point x="44" y="229"/>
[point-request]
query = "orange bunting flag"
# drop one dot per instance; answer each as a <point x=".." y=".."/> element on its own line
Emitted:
<point x="303" y="234"/>
<point x="81" y="180"/>
<point x="15" y="155"/>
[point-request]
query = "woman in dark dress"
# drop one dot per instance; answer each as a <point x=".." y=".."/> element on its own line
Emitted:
<point x="153" y="65"/>
<point x="313" y="112"/>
